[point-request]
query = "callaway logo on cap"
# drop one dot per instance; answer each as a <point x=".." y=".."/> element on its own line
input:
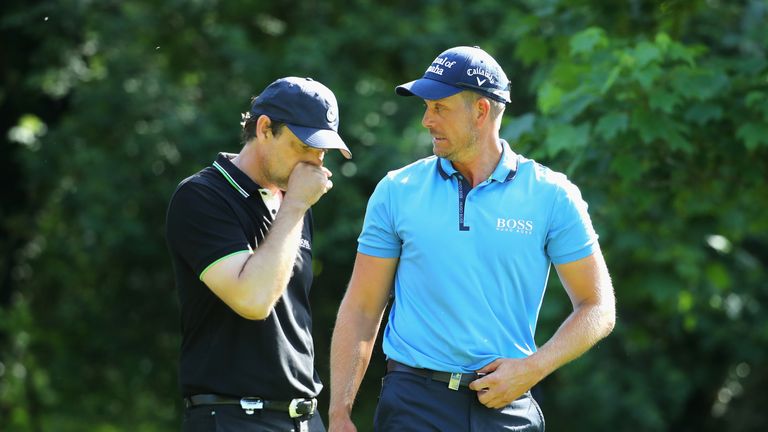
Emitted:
<point x="307" y="108"/>
<point x="457" y="69"/>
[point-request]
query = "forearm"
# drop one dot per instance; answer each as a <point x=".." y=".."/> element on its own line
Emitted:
<point x="265" y="275"/>
<point x="583" y="328"/>
<point x="353" y="339"/>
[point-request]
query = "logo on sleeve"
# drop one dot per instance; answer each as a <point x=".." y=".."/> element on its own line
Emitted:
<point x="520" y="226"/>
<point x="304" y="243"/>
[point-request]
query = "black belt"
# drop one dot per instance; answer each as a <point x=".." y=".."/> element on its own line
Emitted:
<point x="454" y="380"/>
<point x="294" y="408"/>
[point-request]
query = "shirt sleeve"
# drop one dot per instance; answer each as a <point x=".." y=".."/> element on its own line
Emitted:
<point x="201" y="228"/>
<point x="571" y="236"/>
<point x="379" y="237"/>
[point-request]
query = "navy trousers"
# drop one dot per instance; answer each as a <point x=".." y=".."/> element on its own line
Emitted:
<point x="232" y="418"/>
<point x="409" y="402"/>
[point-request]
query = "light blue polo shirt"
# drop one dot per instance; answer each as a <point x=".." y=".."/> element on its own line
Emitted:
<point x="474" y="262"/>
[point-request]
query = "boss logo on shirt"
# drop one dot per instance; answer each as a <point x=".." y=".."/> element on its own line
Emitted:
<point x="304" y="243"/>
<point x="521" y="226"/>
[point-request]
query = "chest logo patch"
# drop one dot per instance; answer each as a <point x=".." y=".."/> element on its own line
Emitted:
<point x="520" y="226"/>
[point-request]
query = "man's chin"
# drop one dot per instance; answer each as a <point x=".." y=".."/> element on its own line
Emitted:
<point x="440" y="153"/>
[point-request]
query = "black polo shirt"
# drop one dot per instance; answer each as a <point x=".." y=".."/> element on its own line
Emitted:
<point x="213" y="214"/>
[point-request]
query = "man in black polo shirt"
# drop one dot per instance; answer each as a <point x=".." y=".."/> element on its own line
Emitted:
<point x="240" y="238"/>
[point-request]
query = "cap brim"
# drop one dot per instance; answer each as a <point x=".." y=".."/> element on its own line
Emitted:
<point x="426" y="88"/>
<point x="320" y="138"/>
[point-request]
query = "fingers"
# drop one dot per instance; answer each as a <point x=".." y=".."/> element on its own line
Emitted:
<point x="490" y="367"/>
<point x="485" y="381"/>
<point x="493" y="398"/>
<point x="479" y="384"/>
<point x="307" y="183"/>
<point x="497" y="397"/>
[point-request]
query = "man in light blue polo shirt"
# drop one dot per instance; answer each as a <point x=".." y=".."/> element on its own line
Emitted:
<point x="466" y="239"/>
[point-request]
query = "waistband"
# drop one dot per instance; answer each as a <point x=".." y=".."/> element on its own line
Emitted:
<point x="454" y="380"/>
<point x="295" y="407"/>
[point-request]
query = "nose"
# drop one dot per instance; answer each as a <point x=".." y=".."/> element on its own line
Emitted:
<point x="426" y="119"/>
<point x="316" y="156"/>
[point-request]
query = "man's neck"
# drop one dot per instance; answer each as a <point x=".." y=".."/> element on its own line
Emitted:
<point x="249" y="163"/>
<point x="477" y="168"/>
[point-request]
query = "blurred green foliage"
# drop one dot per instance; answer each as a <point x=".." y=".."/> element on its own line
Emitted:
<point x="657" y="109"/>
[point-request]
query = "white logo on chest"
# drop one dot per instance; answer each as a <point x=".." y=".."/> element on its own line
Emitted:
<point x="521" y="226"/>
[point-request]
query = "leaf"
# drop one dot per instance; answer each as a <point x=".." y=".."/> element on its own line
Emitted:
<point x="646" y="53"/>
<point x="677" y="51"/>
<point x="684" y="301"/>
<point x="755" y="98"/>
<point x="531" y="49"/>
<point x="575" y="102"/>
<point x="647" y="76"/>
<point x="700" y="84"/>
<point x="586" y="41"/>
<point x="702" y="113"/>
<point x="718" y="276"/>
<point x="663" y="100"/>
<point x="753" y="134"/>
<point x="611" y="125"/>
<point x="653" y="127"/>
<point x="615" y="72"/>
<point x="662" y="41"/>
<point x="564" y="137"/>
<point x="550" y="97"/>
<point x="519" y="126"/>
<point x="628" y="167"/>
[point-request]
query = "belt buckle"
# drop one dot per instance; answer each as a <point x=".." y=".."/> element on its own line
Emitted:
<point x="307" y="406"/>
<point x="455" y="381"/>
<point x="249" y="404"/>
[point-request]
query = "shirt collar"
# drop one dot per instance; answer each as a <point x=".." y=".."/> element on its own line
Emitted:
<point x="504" y="171"/>
<point x="238" y="179"/>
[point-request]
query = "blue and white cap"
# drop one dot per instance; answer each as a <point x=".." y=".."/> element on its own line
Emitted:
<point x="457" y="69"/>
<point x="308" y="108"/>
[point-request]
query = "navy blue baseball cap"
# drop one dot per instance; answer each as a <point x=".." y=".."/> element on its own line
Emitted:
<point x="307" y="108"/>
<point x="458" y="69"/>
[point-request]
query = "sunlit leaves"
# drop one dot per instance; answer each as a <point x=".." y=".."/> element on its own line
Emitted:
<point x="658" y="111"/>
<point x="753" y="135"/>
<point x="611" y="124"/>
<point x="586" y="41"/>
<point x="566" y="137"/>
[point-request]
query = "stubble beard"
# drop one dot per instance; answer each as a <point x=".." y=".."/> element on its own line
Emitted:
<point x="457" y="154"/>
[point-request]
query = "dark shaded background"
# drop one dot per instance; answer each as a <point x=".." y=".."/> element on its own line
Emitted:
<point x="657" y="109"/>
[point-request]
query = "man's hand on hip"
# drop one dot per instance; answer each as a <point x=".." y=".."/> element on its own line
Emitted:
<point x="505" y="380"/>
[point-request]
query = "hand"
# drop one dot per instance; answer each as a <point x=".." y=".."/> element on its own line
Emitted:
<point x="506" y="380"/>
<point x="307" y="183"/>
<point x="341" y="424"/>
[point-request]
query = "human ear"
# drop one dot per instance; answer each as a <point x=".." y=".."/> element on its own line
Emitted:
<point x="263" y="124"/>
<point x="482" y="109"/>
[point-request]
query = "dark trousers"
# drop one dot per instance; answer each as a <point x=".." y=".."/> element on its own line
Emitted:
<point x="232" y="418"/>
<point x="409" y="402"/>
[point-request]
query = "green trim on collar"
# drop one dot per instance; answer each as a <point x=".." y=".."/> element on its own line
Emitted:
<point x="230" y="179"/>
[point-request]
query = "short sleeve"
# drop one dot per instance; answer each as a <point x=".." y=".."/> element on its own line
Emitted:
<point x="571" y="236"/>
<point x="201" y="228"/>
<point x="379" y="237"/>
